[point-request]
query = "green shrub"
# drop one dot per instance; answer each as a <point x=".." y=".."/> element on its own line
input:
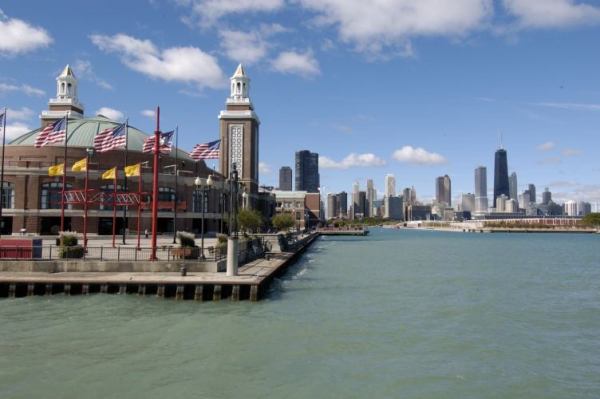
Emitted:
<point x="222" y="238"/>
<point x="186" y="240"/>
<point x="249" y="220"/>
<point x="283" y="221"/>
<point x="68" y="240"/>
<point x="592" y="219"/>
<point x="71" y="252"/>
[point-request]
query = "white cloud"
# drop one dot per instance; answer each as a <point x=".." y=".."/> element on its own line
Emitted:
<point x="181" y="64"/>
<point x="23" y="114"/>
<point x="418" y="156"/>
<point x="209" y="11"/>
<point x="571" y="106"/>
<point x="111" y="113"/>
<point x="20" y="37"/>
<point x="372" y="25"/>
<point x="148" y="113"/>
<point x="552" y="13"/>
<point x="26" y="89"/>
<point x="15" y="130"/>
<point x="547" y="146"/>
<point x="571" y="152"/>
<point x="291" y="62"/>
<point x="352" y="160"/>
<point x="84" y="70"/>
<point x="244" y="47"/>
<point x="550" y="161"/>
<point x="264" y="168"/>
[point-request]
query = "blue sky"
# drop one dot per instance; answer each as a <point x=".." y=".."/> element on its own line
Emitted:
<point x="414" y="88"/>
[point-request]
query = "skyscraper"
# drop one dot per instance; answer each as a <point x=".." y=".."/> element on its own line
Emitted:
<point x="343" y="204"/>
<point x="501" y="185"/>
<point x="532" y="193"/>
<point x="333" y="209"/>
<point x="513" y="186"/>
<point x="443" y="190"/>
<point x="546" y="196"/>
<point x="468" y="202"/>
<point x="307" y="171"/>
<point x="371" y="197"/>
<point x="285" y="178"/>
<point x="390" y="185"/>
<point x="481" y="200"/>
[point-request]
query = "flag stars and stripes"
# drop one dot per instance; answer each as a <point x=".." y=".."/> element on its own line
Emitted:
<point x="166" y="143"/>
<point x="206" y="151"/>
<point x="111" y="138"/>
<point x="53" y="133"/>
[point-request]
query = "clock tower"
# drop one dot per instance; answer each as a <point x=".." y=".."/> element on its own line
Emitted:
<point x="239" y="129"/>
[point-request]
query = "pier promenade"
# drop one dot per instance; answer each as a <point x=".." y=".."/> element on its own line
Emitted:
<point x="251" y="282"/>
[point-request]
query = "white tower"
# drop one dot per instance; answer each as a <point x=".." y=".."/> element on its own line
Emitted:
<point x="66" y="101"/>
<point x="240" y="87"/>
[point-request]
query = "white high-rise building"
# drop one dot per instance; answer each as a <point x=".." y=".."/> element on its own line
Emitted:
<point x="501" y="203"/>
<point x="390" y="185"/>
<point x="467" y="203"/>
<point x="481" y="199"/>
<point x="571" y="208"/>
<point x="513" y="186"/>
<point x="371" y="197"/>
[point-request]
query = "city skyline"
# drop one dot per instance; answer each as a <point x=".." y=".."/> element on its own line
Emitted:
<point x="449" y="96"/>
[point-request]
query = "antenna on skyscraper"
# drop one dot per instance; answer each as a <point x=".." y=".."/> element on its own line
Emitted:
<point x="500" y="146"/>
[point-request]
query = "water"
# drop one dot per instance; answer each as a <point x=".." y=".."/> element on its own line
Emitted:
<point x="399" y="314"/>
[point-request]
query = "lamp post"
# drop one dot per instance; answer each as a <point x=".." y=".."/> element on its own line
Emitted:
<point x="232" y="240"/>
<point x="89" y="152"/>
<point x="203" y="189"/>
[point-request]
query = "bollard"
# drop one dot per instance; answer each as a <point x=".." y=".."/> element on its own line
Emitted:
<point x="199" y="293"/>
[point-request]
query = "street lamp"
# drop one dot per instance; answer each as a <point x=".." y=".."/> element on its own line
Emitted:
<point x="203" y="189"/>
<point x="232" y="240"/>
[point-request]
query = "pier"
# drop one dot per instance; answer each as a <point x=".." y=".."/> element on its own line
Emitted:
<point x="251" y="283"/>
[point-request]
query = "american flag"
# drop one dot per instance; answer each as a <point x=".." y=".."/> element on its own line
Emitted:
<point x="111" y="138"/>
<point x="166" y="143"/>
<point x="206" y="150"/>
<point x="53" y="133"/>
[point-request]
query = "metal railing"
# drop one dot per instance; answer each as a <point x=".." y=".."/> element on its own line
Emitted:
<point x="109" y="253"/>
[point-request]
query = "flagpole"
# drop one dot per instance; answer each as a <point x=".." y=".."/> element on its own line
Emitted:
<point x="2" y="171"/>
<point x="64" y="177"/>
<point x="114" y="226"/>
<point x="85" y="197"/>
<point x="125" y="180"/>
<point x="175" y="198"/>
<point x="155" y="184"/>
<point x="139" y="210"/>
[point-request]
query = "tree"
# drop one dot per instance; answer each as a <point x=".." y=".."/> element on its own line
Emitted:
<point x="249" y="220"/>
<point x="283" y="221"/>
<point x="592" y="219"/>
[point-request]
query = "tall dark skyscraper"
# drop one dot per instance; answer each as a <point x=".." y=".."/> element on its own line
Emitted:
<point x="285" y="178"/>
<point x="501" y="184"/>
<point x="307" y="171"/>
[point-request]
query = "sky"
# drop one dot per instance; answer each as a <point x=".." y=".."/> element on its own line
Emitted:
<point x="416" y="88"/>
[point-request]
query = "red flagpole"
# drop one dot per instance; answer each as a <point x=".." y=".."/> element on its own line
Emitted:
<point x="85" y="199"/>
<point x="64" y="177"/>
<point x="155" y="184"/>
<point x="114" y="224"/>
<point x="139" y="210"/>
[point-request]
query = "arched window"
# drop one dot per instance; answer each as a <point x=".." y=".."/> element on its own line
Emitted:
<point x="68" y="89"/>
<point x="62" y="88"/>
<point x="239" y="87"/>
<point x="108" y="190"/>
<point x="50" y="195"/>
<point x="8" y="196"/>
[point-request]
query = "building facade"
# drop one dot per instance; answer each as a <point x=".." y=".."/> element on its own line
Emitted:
<point x="481" y="199"/>
<point x="390" y="185"/>
<point x="501" y="184"/>
<point x="443" y="190"/>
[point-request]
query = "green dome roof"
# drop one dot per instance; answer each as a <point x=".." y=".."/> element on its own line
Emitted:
<point x="81" y="133"/>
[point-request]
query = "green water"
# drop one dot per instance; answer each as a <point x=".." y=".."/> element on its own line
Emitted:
<point x="400" y="314"/>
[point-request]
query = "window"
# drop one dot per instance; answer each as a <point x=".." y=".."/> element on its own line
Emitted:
<point x="8" y="196"/>
<point x="166" y="194"/>
<point x="198" y="203"/>
<point x="50" y="195"/>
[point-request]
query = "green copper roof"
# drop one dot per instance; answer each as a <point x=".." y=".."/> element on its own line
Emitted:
<point x="81" y="133"/>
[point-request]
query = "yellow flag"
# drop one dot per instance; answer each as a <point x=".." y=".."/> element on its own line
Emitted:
<point x="56" y="170"/>
<point x="110" y="174"/>
<point x="80" y="166"/>
<point x="133" y="170"/>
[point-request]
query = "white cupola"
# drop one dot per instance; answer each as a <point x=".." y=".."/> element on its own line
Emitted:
<point x="240" y="87"/>
<point x="66" y="85"/>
